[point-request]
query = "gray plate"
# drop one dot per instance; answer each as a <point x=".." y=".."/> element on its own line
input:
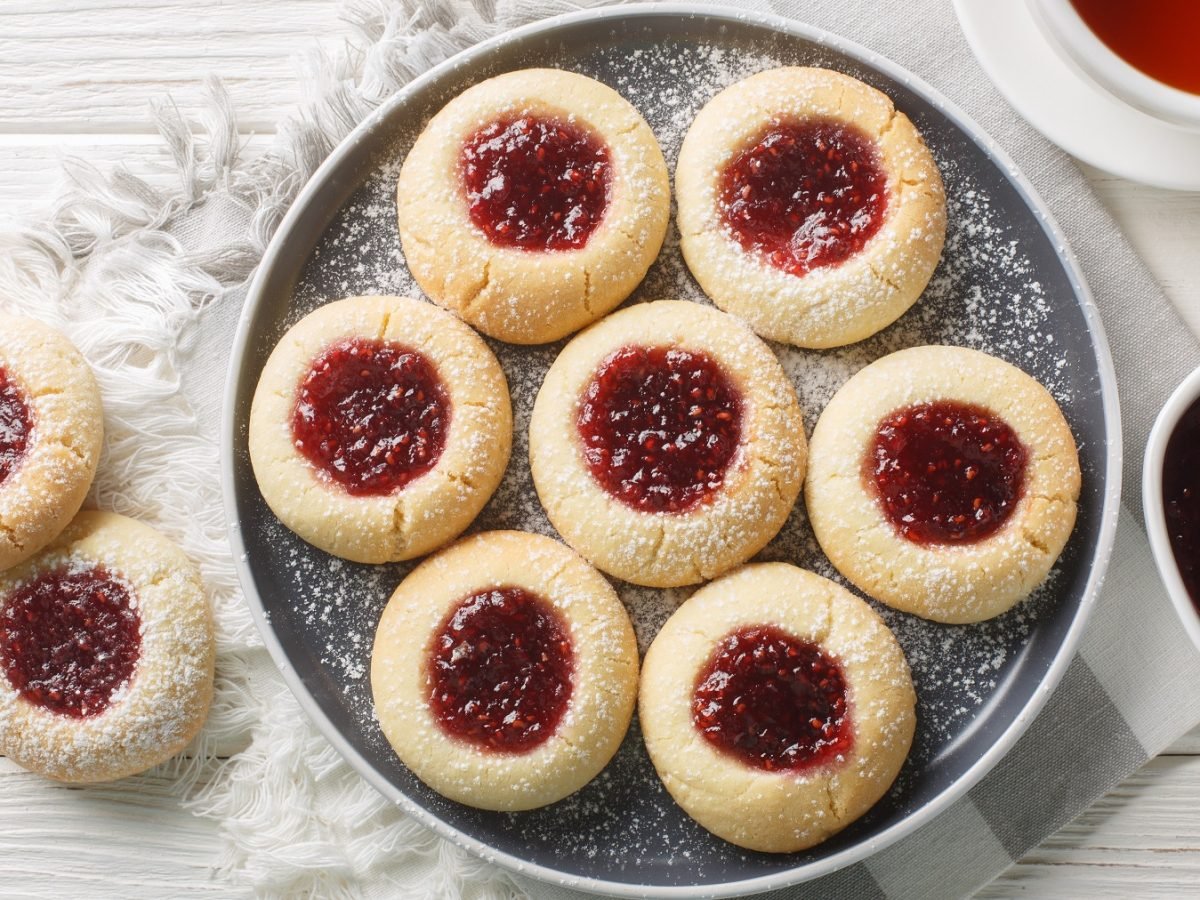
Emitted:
<point x="1006" y="284"/>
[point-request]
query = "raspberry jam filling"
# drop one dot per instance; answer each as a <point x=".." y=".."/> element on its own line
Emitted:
<point x="371" y="415"/>
<point x="536" y="183"/>
<point x="774" y="701"/>
<point x="947" y="472"/>
<point x="69" y="640"/>
<point x="660" y="427"/>
<point x="16" y="425"/>
<point x="807" y="194"/>
<point x="500" y="670"/>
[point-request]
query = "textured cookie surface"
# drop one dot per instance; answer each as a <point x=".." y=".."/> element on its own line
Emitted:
<point x="601" y="661"/>
<point x="426" y="506"/>
<point x="965" y="581"/>
<point x="51" y="434"/>
<point x="842" y="300"/>
<point x="517" y="293"/>
<point x="67" y="710"/>
<point x="744" y="500"/>
<point x="799" y="802"/>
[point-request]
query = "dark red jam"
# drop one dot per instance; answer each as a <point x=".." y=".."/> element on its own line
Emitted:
<point x="773" y="701"/>
<point x="659" y="427"/>
<point x="1181" y="497"/>
<point x="16" y="425"/>
<point x="371" y="415"/>
<point x="807" y="194"/>
<point x="500" y="670"/>
<point x="69" y="640"/>
<point x="536" y="183"/>
<point x="946" y="472"/>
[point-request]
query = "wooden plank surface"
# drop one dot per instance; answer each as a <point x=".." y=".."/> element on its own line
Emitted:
<point x="76" y="79"/>
<point x="94" y="65"/>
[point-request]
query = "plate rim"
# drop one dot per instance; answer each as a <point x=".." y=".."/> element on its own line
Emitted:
<point x="1108" y="515"/>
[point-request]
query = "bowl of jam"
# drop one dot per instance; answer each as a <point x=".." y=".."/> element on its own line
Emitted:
<point x="1171" y="499"/>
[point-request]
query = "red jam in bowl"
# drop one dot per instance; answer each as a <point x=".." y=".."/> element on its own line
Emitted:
<point x="371" y="415"/>
<point x="500" y="670"/>
<point x="807" y="194"/>
<point x="70" y="639"/>
<point x="1181" y="497"/>
<point x="659" y="427"/>
<point x="946" y="472"/>
<point x="16" y="425"/>
<point x="536" y="183"/>
<point x="773" y="701"/>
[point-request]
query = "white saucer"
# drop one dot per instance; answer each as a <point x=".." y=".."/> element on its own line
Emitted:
<point x="1067" y="107"/>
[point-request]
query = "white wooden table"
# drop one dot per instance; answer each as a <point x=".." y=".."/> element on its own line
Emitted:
<point x="77" y="78"/>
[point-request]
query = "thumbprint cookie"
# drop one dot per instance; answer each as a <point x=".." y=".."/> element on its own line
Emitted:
<point x="667" y="444"/>
<point x="776" y="706"/>
<point x="51" y="434"/>
<point x="533" y="203"/>
<point x="809" y="206"/>
<point x="504" y="671"/>
<point x="943" y="482"/>
<point x="107" y="649"/>
<point x="379" y="428"/>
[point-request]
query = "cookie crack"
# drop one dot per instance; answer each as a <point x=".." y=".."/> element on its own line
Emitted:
<point x="587" y="290"/>
<point x="461" y="478"/>
<point x="399" y="524"/>
<point x="883" y="132"/>
<point x="883" y="278"/>
<point x="658" y="544"/>
<point x="10" y="535"/>
<point x="472" y="300"/>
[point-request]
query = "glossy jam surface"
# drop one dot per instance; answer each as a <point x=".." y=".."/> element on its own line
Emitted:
<point x="500" y="670"/>
<point x="536" y="183"/>
<point x="659" y="427"/>
<point x="773" y="701"/>
<point x="16" y="425"/>
<point x="371" y="415"/>
<point x="70" y="639"/>
<point x="1181" y="497"/>
<point x="1160" y="37"/>
<point x="946" y="472"/>
<point x="807" y="194"/>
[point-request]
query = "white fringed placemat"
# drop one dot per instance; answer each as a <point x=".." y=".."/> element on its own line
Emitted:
<point x="149" y="284"/>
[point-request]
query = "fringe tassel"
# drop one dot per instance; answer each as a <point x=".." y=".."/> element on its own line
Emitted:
<point x="128" y="271"/>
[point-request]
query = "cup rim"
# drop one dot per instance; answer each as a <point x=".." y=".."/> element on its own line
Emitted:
<point x="1075" y="38"/>
<point x="1153" y="508"/>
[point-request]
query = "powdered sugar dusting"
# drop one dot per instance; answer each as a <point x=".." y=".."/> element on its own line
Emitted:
<point x="990" y="292"/>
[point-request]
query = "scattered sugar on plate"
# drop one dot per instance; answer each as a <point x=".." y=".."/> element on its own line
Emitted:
<point x="987" y="293"/>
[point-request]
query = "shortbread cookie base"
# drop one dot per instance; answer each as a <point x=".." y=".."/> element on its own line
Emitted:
<point x="947" y="583"/>
<point x="781" y="811"/>
<point x="831" y="305"/>
<point x="41" y="496"/>
<point x="761" y="483"/>
<point x="166" y="700"/>
<point x="431" y="509"/>
<point x="604" y="683"/>
<point x="521" y="296"/>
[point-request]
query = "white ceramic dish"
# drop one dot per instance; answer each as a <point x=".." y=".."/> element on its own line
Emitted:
<point x="1069" y="108"/>
<point x="1152" y="502"/>
<point x="1065" y="26"/>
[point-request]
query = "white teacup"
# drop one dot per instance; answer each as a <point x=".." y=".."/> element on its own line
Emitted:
<point x="1152" y="502"/>
<point x="1060" y="20"/>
